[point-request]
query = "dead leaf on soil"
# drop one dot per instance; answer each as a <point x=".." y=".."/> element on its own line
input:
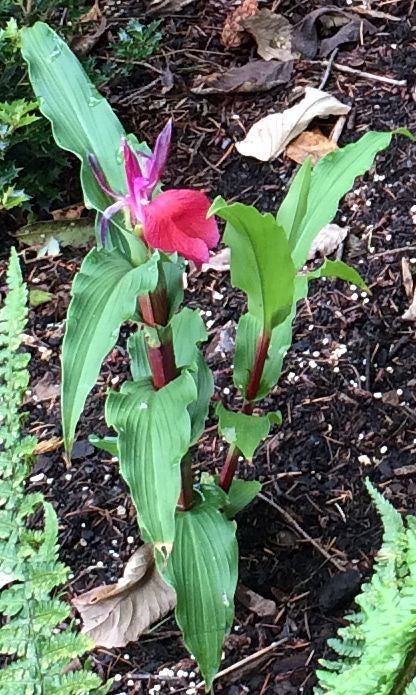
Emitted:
<point x="45" y="390"/>
<point x="50" y="235"/>
<point x="93" y="14"/>
<point x="47" y="446"/>
<point x="83" y="45"/>
<point x="233" y="33"/>
<point x="255" y="76"/>
<point x="327" y="241"/>
<point x="255" y="603"/>
<point x="410" y="313"/>
<point x="71" y="212"/>
<point x="267" y="138"/>
<point x="310" y="143"/>
<point x="273" y="35"/>
<point x="306" y="40"/>
<point x="117" y="614"/>
<point x="218" y="261"/>
<point x="166" y="6"/>
<point x="407" y="279"/>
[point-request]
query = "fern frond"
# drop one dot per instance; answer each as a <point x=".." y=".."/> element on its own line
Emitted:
<point x="376" y="648"/>
<point x="30" y="569"/>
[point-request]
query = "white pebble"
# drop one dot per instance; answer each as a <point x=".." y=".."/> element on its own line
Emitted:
<point x="37" y="478"/>
<point x="383" y="449"/>
<point x="354" y="297"/>
<point x="399" y="392"/>
<point x="226" y="391"/>
<point x="378" y="395"/>
<point x="118" y="677"/>
<point x="68" y="476"/>
<point x="130" y="540"/>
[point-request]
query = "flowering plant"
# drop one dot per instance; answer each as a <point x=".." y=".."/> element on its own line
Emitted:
<point x="135" y="274"/>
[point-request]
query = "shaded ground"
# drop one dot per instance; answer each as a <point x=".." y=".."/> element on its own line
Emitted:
<point x="347" y="393"/>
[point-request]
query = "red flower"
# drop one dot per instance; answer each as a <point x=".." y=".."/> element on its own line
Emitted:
<point x="173" y="221"/>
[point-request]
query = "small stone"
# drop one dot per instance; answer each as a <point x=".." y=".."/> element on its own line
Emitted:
<point x="130" y="540"/>
<point x="383" y="449"/>
<point x="37" y="478"/>
<point x="377" y="395"/>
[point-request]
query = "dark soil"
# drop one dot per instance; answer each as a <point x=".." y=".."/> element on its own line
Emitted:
<point x="347" y="393"/>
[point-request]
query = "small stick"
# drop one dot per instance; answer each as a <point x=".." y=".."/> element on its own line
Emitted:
<point x="300" y="530"/>
<point x="368" y="75"/>
<point x="328" y="69"/>
<point x="246" y="660"/>
<point x="398" y="250"/>
<point x="338" y="128"/>
<point x="376" y="13"/>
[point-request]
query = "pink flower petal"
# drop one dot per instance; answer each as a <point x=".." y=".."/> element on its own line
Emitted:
<point x="131" y="167"/>
<point x="160" y="154"/>
<point x="176" y="221"/>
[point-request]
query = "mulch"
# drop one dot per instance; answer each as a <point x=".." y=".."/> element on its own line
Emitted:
<point x="347" y="393"/>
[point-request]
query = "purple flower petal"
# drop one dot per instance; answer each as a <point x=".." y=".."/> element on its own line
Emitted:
<point x="100" y="177"/>
<point x="107" y="215"/>
<point x="160" y="154"/>
<point x="131" y="167"/>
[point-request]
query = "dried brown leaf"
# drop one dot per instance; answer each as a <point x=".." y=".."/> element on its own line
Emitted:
<point x="255" y="603"/>
<point x="83" y="45"/>
<point x="410" y="313"/>
<point x="310" y="143"/>
<point x="273" y="35"/>
<point x="255" y="76"/>
<point x="328" y="240"/>
<point x="45" y="390"/>
<point x="267" y="138"/>
<point x="47" y="445"/>
<point x="407" y="279"/>
<point x="93" y="14"/>
<point x="219" y="261"/>
<point x="233" y="31"/>
<point x="117" y="614"/>
<point x="166" y="6"/>
<point x="306" y="40"/>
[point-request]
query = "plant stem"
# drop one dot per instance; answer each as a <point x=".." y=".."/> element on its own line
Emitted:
<point x="154" y="311"/>
<point x="407" y="674"/>
<point x="231" y="461"/>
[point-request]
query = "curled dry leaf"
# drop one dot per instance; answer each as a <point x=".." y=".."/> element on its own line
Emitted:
<point x="232" y="34"/>
<point x="254" y="602"/>
<point x="305" y="37"/>
<point x="219" y="261"/>
<point x="117" y="614"/>
<point x="273" y="35"/>
<point x="267" y="138"/>
<point x="310" y="143"/>
<point x="46" y="446"/>
<point x="328" y="240"/>
<point x="255" y="76"/>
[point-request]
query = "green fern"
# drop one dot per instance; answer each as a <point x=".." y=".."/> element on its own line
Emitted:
<point x="378" y="647"/>
<point x="30" y="569"/>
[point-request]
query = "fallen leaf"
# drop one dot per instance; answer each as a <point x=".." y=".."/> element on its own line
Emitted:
<point x="223" y="341"/>
<point x="305" y="36"/>
<point x="328" y="240"/>
<point x="267" y="138"/>
<point x="71" y="212"/>
<point x="50" y="235"/>
<point x="166" y="6"/>
<point x="310" y="143"/>
<point x="38" y="297"/>
<point x="407" y="279"/>
<point x="117" y="614"/>
<point x="46" y="446"/>
<point x="218" y="261"/>
<point x="93" y="14"/>
<point x="273" y="35"/>
<point x="254" y="602"/>
<point x="233" y="31"/>
<point x="83" y="45"/>
<point x="255" y="76"/>
<point x="45" y="390"/>
<point x="410" y="313"/>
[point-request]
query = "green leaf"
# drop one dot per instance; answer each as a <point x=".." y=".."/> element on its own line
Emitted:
<point x="203" y="571"/>
<point x="240" y="494"/>
<point x="331" y="178"/>
<point x="293" y="208"/>
<point x="338" y="269"/>
<point x="246" y="342"/>
<point x="245" y="431"/>
<point x="188" y="331"/>
<point x="198" y="409"/>
<point x="261" y="264"/>
<point x="82" y="120"/>
<point x="108" y="444"/>
<point x="154" y="431"/>
<point x="38" y="297"/>
<point x="104" y="294"/>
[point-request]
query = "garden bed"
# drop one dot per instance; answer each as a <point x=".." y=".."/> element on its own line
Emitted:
<point x="347" y="393"/>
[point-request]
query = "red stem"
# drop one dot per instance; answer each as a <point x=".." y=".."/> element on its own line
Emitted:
<point x="154" y="311"/>
<point x="230" y="465"/>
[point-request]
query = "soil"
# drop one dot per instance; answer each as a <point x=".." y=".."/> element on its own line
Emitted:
<point x="347" y="393"/>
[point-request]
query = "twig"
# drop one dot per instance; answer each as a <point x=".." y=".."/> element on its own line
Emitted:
<point x="338" y="128"/>
<point x="368" y="75"/>
<point x="376" y="13"/>
<point x="388" y="253"/>
<point x="328" y="69"/>
<point x="300" y="530"/>
<point x="245" y="661"/>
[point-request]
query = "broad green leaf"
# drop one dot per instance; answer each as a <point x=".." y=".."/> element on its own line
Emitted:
<point x="240" y="494"/>
<point x="173" y="270"/>
<point x="246" y="342"/>
<point x="154" y="431"/>
<point x="338" y="269"/>
<point x="104" y="294"/>
<point x="203" y="571"/>
<point x="261" y="263"/>
<point x="108" y="444"/>
<point x="83" y="122"/>
<point x="245" y="431"/>
<point x="293" y="207"/>
<point x="331" y="178"/>
<point x="188" y="330"/>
